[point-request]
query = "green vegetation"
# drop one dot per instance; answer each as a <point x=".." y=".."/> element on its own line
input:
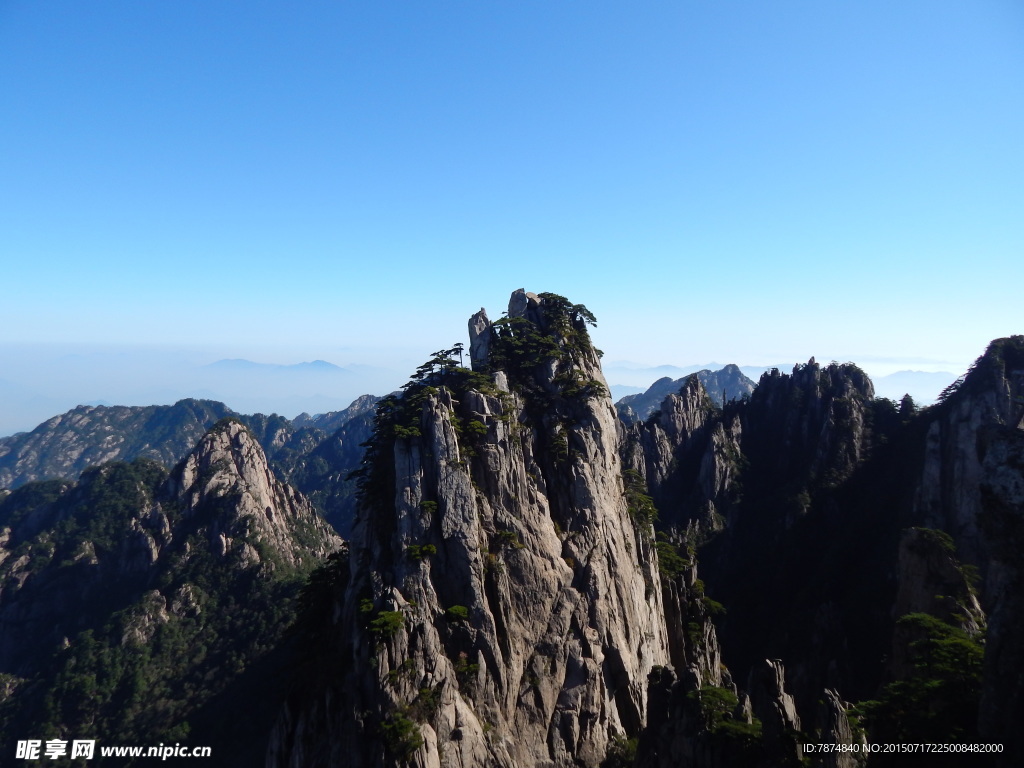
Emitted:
<point x="111" y="496"/>
<point x="938" y="702"/>
<point x="457" y="613"/>
<point x="508" y="540"/>
<point x="519" y="346"/>
<point x="420" y="551"/>
<point x="639" y="504"/>
<point x="163" y="653"/>
<point x="940" y="538"/>
<point x="401" y="736"/>
<point x="424" y="706"/>
<point x="717" y="709"/>
<point x="464" y="670"/>
<point x="559" y="447"/>
<point x="387" y="624"/>
<point x="1002" y="355"/>
<point x="400" y="731"/>
<point x="406" y="669"/>
<point x="574" y="387"/>
<point x="21" y="502"/>
<point x="314" y="628"/>
<point x="474" y="428"/>
<point x="712" y="607"/>
<point x="671" y="562"/>
<point x="621" y="753"/>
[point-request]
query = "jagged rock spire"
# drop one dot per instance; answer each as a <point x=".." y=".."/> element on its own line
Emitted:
<point x="503" y="608"/>
<point x="479" y="339"/>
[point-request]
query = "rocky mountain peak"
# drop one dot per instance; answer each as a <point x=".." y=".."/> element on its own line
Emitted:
<point x="167" y="592"/>
<point x="685" y="412"/>
<point x="722" y="386"/>
<point x="503" y="607"/>
<point x="811" y="424"/>
<point x="542" y="336"/>
<point x="228" y="470"/>
<point x="479" y="339"/>
<point x="522" y="303"/>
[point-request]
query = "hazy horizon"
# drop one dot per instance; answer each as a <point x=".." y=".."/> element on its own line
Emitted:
<point x="736" y="182"/>
<point x="42" y="381"/>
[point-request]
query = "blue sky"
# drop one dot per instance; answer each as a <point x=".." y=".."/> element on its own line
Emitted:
<point x="743" y="182"/>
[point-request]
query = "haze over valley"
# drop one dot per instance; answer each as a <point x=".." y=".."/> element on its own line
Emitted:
<point x="40" y="381"/>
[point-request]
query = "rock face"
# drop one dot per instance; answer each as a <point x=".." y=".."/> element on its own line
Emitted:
<point x="823" y="516"/>
<point x="948" y="495"/>
<point x="502" y="607"/>
<point x="323" y="472"/>
<point x="222" y="494"/>
<point x="795" y="430"/>
<point x="693" y="642"/>
<point x="744" y="476"/>
<point x="335" y="420"/>
<point x="811" y="423"/>
<point x="479" y="339"/>
<point x="770" y="702"/>
<point x="228" y="464"/>
<point x="313" y="453"/>
<point x="834" y="729"/>
<point x="687" y="432"/>
<point x="1001" y="451"/>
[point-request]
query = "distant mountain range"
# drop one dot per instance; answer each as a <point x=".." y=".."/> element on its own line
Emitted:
<point x="89" y="435"/>
<point x="723" y="385"/>
<point x="923" y="386"/>
<point x="248" y="366"/>
<point x="35" y="387"/>
<point x="66" y="445"/>
<point x="638" y="375"/>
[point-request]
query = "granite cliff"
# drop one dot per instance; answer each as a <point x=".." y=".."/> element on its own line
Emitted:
<point x="502" y="606"/>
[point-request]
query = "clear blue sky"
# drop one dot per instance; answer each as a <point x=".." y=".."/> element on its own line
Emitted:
<point x="733" y="181"/>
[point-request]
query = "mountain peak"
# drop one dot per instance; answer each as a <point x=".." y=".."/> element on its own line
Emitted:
<point x="229" y="465"/>
<point x="497" y="570"/>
